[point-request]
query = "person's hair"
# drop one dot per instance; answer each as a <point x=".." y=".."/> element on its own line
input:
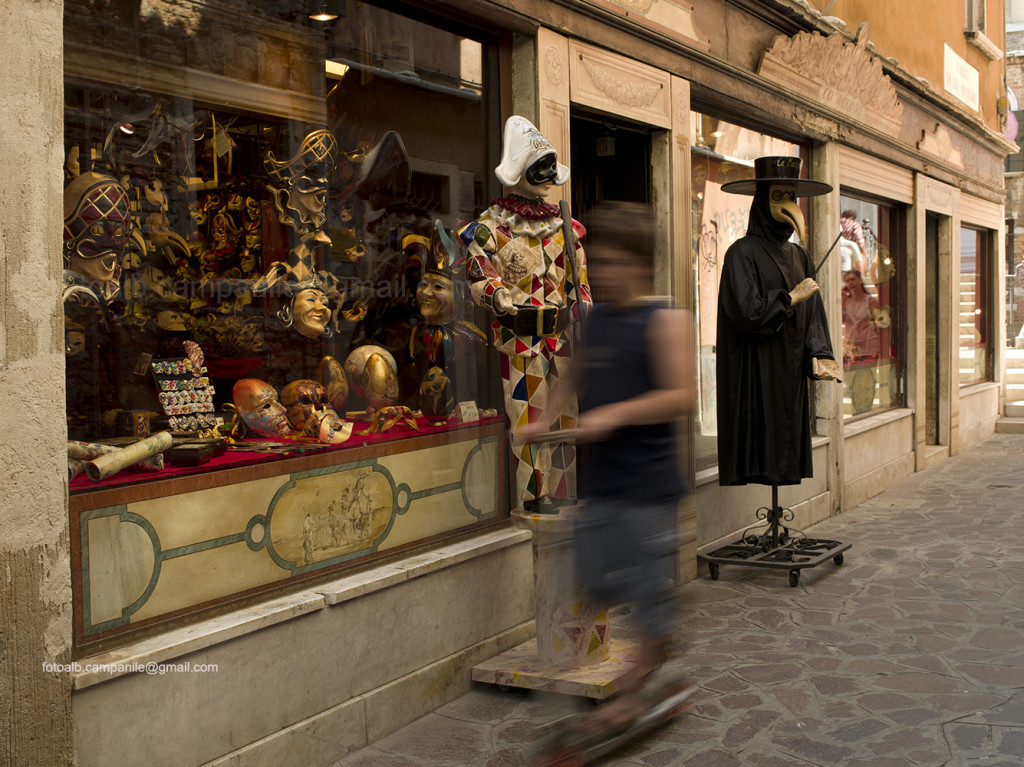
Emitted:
<point x="858" y="275"/>
<point x="625" y="225"/>
<point x="847" y="214"/>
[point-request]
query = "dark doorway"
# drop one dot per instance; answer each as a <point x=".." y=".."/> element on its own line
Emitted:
<point x="611" y="160"/>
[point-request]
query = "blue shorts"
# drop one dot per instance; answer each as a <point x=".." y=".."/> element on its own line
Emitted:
<point x="626" y="552"/>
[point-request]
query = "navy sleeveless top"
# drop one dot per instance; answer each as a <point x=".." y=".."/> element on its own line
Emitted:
<point x="637" y="462"/>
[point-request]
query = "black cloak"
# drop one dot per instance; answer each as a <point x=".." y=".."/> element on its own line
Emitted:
<point x="764" y="351"/>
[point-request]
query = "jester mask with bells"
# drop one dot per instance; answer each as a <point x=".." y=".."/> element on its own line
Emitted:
<point x="438" y="291"/>
<point x="776" y="187"/>
<point x="310" y="304"/>
<point x="301" y="197"/>
<point x="97" y="229"/>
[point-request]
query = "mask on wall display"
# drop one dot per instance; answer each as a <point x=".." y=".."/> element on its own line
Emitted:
<point x="311" y="311"/>
<point x="436" y="298"/>
<point x="260" y="408"/>
<point x="97" y="229"/>
<point x="171" y="319"/>
<point x="302" y="198"/>
<point x="310" y="413"/>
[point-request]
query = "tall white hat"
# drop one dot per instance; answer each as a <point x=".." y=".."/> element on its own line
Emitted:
<point x="522" y="146"/>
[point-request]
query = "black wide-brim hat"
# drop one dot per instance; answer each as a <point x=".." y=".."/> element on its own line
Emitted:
<point x="778" y="170"/>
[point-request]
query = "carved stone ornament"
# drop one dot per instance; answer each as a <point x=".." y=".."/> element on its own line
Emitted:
<point x="629" y="92"/>
<point x="939" y="143"/>
<point x="553" y="65"/>
<point x="838" y="74"/>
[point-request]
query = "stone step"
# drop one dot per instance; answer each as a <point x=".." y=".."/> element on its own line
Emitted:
<point x="1014" y="409"/>
<point x="1010" y="425"/>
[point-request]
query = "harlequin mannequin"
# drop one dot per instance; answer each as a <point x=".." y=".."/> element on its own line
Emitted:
<point x="517" y="259"/>
<point x="772" y="334"/>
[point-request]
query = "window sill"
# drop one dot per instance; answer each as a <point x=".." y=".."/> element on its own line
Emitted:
<point x="969" y="390"/>
<point x="862" y="425"/>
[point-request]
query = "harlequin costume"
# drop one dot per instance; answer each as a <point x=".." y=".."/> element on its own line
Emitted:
<point x="519" y="244"/>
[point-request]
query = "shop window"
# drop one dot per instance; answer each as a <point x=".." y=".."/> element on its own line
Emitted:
<point x="976" y="311"/>
<point x="872" y="272"/>
<point x="721" y="152"/>
<point x="255" y="195"/>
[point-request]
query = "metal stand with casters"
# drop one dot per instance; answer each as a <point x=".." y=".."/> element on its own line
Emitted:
<point x="775" y="546"/>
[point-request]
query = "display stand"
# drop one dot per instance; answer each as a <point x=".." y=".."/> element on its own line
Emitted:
<point x="574" y="652"/>
<point x="776" y="546"/>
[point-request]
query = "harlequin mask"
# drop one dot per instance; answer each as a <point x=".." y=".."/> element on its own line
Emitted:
<point x="97" y="227"/>
<point x="306" y="173"/>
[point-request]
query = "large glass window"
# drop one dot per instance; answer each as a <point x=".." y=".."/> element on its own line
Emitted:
<point x="870" y="252"/>
<point x="256" y="190"/>
<point x="259" y="243"/>
<point x="976" y="313"/>
<point x="721" y="152"/>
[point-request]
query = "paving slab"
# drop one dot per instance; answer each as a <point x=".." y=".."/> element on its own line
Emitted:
<point x="910" y="654"/>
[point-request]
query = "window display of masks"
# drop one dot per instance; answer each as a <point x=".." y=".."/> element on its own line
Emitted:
<point x="298" y="231"/>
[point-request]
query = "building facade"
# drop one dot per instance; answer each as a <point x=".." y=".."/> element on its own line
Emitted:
<point x="211" y="165"/>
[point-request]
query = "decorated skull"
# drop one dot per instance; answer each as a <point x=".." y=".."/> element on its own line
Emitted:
<point x="309" y="412"/>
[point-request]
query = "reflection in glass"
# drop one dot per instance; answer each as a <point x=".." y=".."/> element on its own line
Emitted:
<point x="975" y="308"/>
<point x="869" y="258"/>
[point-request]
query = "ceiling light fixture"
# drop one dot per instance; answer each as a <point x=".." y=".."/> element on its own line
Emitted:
<point x="323" y="14"/>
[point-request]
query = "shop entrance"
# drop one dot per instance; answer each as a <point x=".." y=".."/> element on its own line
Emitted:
<point x="611" y="160"/>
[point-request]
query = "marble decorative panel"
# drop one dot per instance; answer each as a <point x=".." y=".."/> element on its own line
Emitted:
<point x="148" y="559"/>
<point x="618" y="85"/>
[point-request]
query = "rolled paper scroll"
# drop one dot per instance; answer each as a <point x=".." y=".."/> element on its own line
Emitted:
<point x="111" y="463"/>
<point x="75" y="467"/>
<point x="87" y="451"/>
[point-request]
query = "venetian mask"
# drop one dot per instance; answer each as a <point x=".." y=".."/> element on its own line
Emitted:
<point x="97" y="228"/>
<point x="158" y="282"/>
<point x="310" y="412"/>
<point x="306" y="174"/>
<point x="171" y="319"/>
<point x="257" y="403"/>
<point x="436" y="299"/>
<point x="302" y="400"/>
<point x="311" y="311"/>
<point x="74" y="342"/>
<point x="784" y="208"/>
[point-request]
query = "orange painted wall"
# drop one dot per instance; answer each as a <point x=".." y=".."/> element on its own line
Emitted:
<point x="913" y="32"/>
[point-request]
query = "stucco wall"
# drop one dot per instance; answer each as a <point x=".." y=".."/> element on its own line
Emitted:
<point x="35" y="600"/>
<point x="921" y="53"/>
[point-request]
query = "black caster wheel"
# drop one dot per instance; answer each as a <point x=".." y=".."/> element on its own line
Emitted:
<point x="503" y="687"/>
<point x="713" y="569"/>
<point x="838" y="559"/>
<point x="794" y="578"/>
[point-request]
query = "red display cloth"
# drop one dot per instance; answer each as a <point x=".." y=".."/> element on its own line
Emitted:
<point x="236" y="458"/>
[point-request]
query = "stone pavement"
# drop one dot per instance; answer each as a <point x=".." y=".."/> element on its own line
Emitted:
<point x="909" y="654"/>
